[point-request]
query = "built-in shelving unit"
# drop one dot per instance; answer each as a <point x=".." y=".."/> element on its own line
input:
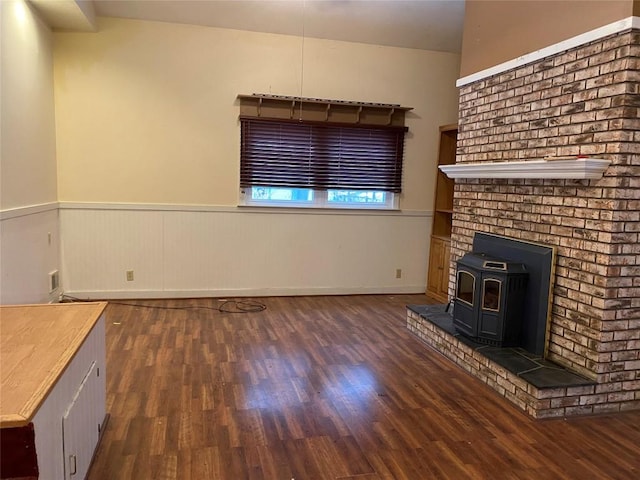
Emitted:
<point x="440" y="251"/>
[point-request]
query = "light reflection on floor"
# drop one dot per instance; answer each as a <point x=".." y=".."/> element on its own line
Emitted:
<point x="352" y="385"/>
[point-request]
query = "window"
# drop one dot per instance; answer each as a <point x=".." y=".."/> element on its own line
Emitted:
<point x="307" y="197"/>
<point x="314" y="163"/>
<point x="357" y="197"/>
<point x="278" y="196"/>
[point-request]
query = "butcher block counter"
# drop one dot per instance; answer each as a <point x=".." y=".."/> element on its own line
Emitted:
<point x="52" y="388"/>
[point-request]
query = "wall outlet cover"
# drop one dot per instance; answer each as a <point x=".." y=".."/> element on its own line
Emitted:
<point x="54" y="281"/>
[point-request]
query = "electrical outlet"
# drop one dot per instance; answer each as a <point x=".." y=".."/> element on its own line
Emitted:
<point x="54" y="281"/>
<point x="129" y="275"/>
<point x="398" y="273"/>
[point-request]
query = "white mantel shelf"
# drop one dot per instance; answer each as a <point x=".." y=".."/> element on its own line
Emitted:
<point x="575" y="168"/>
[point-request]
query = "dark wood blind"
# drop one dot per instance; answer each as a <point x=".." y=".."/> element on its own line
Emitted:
<point x="322" y="156"/>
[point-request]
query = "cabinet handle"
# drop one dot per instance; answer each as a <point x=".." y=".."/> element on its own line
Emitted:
<point x="72" y="465"/>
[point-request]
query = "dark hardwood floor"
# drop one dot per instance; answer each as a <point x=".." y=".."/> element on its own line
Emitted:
<point x="323" y="388"/>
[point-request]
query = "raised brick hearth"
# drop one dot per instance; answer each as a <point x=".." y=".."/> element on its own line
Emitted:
<point x="539" y="387"/>
<point x="584" y="101"/>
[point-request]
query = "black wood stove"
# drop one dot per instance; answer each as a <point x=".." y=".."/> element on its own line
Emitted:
<point x="490" y="294"/>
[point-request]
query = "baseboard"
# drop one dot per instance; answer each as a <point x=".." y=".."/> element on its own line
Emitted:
<point x="242" y="292"/>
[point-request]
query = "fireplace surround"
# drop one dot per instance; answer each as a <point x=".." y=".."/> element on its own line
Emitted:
<point x="539" y="263"/>
<point x="582" y="101"/>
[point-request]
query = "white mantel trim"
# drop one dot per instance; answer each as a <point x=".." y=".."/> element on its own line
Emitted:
<point x="581" y="168"/>
<point x="590" y="36"/>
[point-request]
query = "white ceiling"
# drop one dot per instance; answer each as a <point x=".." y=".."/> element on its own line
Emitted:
<point x="423" y="24"/>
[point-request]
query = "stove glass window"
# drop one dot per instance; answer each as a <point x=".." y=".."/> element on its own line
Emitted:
<point x="491" y="294"/>
<point x="465" y="286"/>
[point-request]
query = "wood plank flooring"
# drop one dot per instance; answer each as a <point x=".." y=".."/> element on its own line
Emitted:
<point x="323" y="388"/>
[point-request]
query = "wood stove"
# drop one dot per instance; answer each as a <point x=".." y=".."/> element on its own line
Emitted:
<point x="489" y="299"/>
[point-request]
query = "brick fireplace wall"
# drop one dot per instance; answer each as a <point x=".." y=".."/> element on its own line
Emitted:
<point x="584" y="101"/>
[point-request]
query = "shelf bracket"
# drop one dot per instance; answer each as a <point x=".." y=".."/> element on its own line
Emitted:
<point x="391" y="112"/>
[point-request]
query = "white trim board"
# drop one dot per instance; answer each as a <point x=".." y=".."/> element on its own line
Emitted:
<point x="579" y="168"/>
<point x="590" y="36"/>
<point x="242" y="292"/>
<point x="28" y="210"/>
<point x="161" y="207"/>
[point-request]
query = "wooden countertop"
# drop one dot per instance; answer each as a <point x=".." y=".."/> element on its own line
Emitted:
<point x="37" y="342"/>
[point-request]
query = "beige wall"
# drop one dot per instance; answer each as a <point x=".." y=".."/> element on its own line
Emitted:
<point x="498" y="31"/>
<point x="27" y="155"/>
<point x="29" y="240"/>
<point x="146" y="112"/>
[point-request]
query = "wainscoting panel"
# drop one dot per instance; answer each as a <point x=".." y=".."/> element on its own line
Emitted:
<point x="195" y="251"/>
<point x="29" y="251"/>
<point x="100" y="246"/>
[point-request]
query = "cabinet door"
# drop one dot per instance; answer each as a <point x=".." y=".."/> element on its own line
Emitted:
<point x="434" y="278"/>
<point x="80" y="427"/>
<point x="438" y="276"/>
<point x="443" y="288"/>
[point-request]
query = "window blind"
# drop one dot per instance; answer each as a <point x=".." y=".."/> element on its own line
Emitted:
<point x="322" y="156"/>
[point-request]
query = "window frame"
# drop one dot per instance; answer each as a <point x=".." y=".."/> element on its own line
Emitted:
<point x="317" y="163"/>
<point x="320" y="200"/>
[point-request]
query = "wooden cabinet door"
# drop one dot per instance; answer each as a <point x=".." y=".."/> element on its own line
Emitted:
<point x="444" y="272"/>
<point x="438" y="276"/>
<point x="435" y="271"/>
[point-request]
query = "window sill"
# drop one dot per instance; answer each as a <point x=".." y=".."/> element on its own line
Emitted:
<point x="319" y="210"/>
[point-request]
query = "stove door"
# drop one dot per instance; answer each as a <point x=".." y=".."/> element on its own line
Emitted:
<point x="465" y="318"/>
<point x="491" y="323"/>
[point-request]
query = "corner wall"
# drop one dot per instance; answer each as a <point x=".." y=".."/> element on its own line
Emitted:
<point x="28" y="184"/>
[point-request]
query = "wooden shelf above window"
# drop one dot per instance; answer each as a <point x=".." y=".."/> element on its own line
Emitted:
<point x="321" y="110"/>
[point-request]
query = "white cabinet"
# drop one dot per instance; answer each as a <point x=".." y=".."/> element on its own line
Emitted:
<point x="59" y="387"/>
<point x="81" y="427"/>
